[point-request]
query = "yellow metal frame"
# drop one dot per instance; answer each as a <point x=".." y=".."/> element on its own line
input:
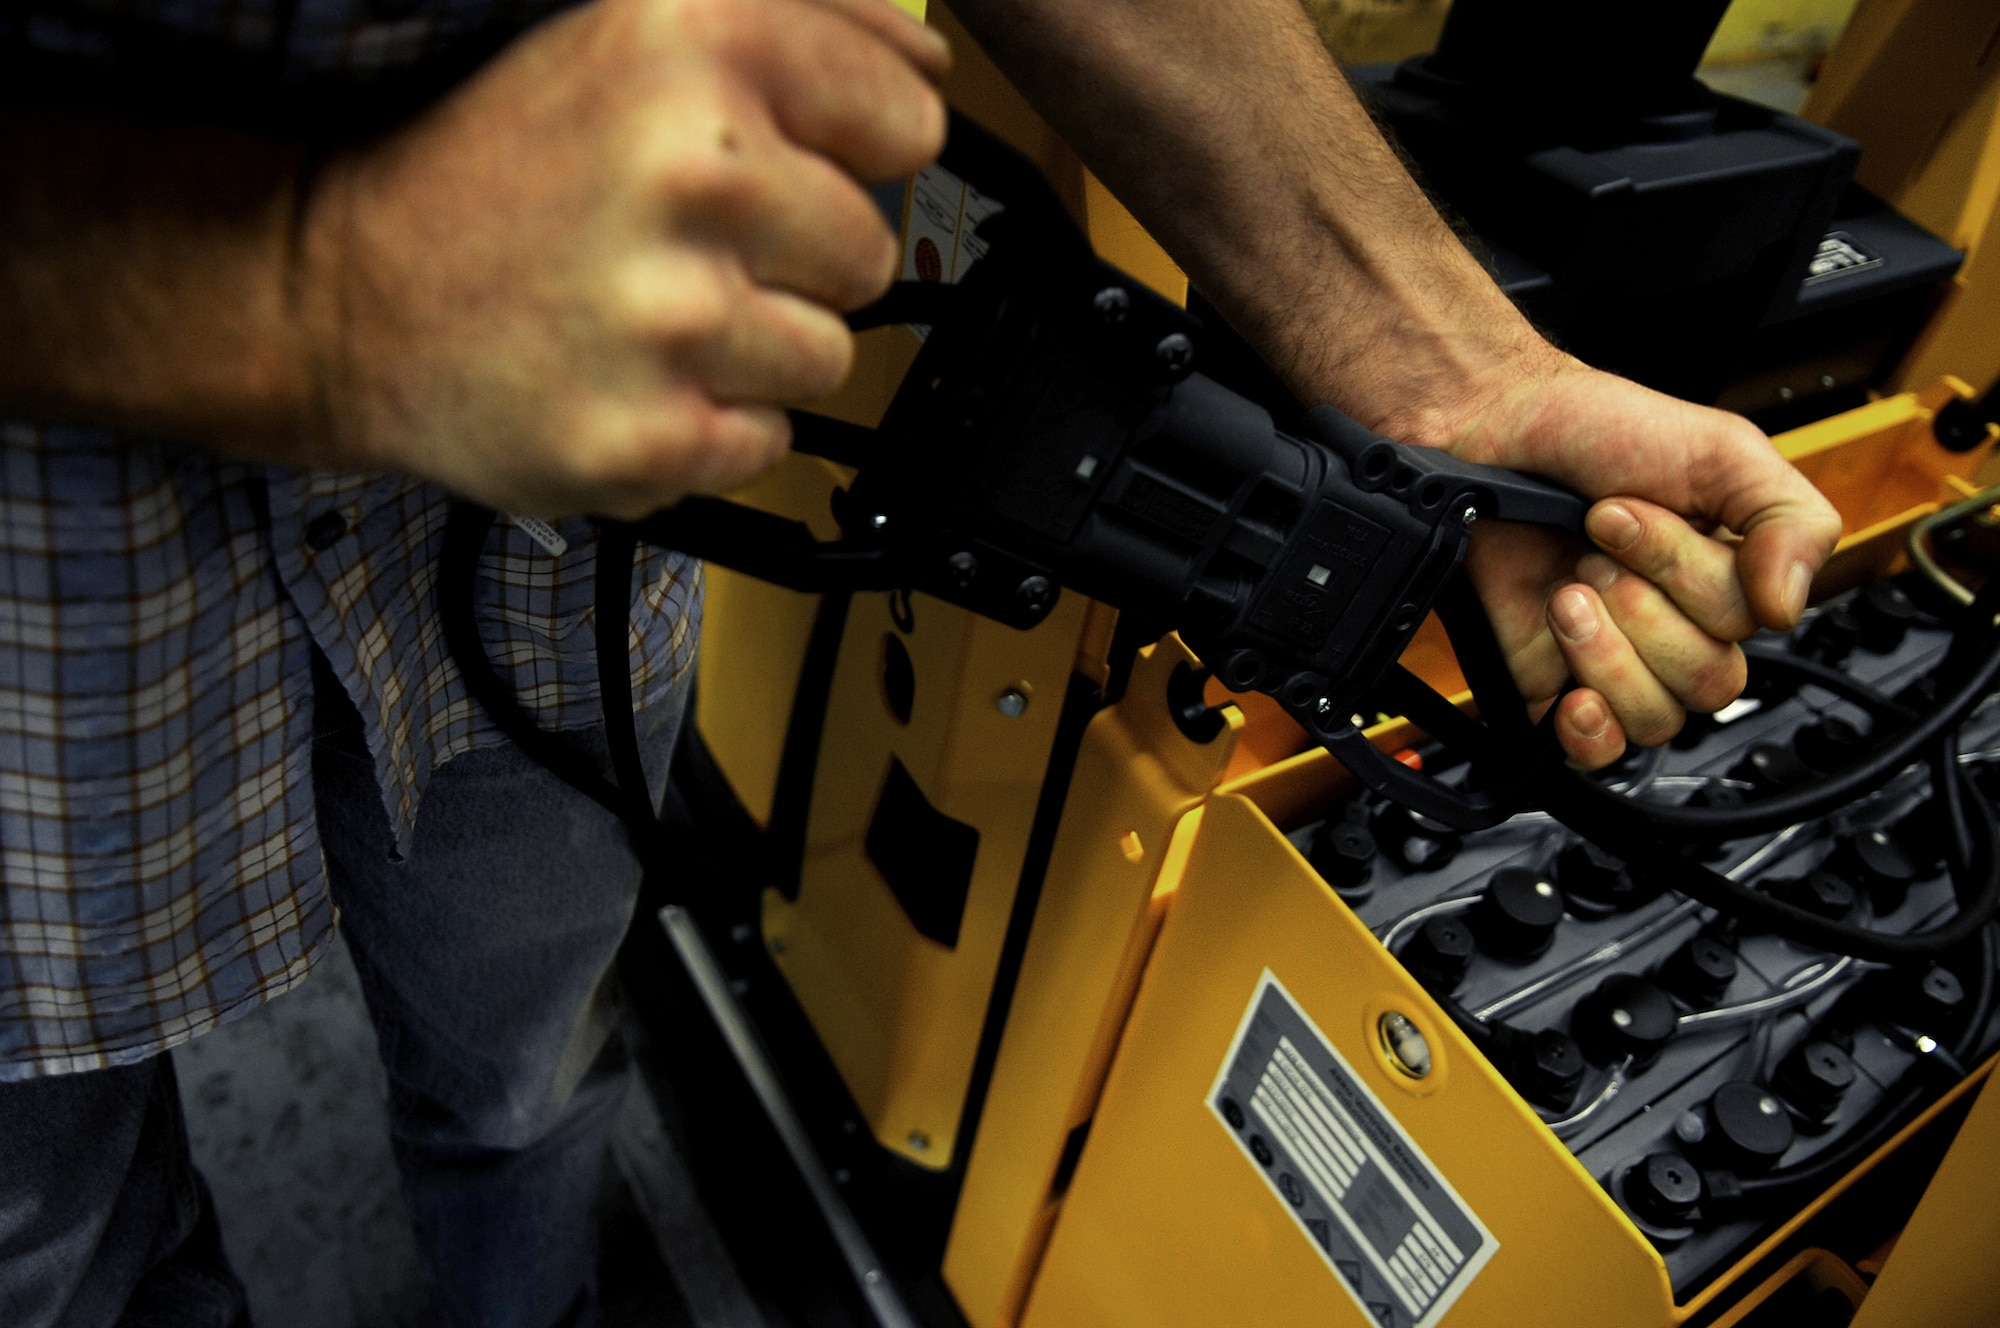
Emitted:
<point x="1167" y="1224"/>
<point x="1918" y="83"/>
<point x="1109" y="878"/>
<point x="1109" y="1029"/>
<point x="899" y="1014"/>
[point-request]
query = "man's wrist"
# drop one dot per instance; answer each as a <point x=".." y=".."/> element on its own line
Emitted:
<point x="147" y="279"/>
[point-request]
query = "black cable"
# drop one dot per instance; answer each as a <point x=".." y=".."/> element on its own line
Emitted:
<point x="1835" y="791"/>
<point x="458" y="568"/>
<point x="1891" y="1113"/>
<point x="1648" y="836"/>
<point x="1843" y="685"/>
<point x="616" y="545"/>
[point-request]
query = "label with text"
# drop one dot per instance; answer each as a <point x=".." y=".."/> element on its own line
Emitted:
<point x="1387" y="1224"/>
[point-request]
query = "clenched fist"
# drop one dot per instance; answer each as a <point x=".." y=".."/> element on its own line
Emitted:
<point x="591" y="278"/>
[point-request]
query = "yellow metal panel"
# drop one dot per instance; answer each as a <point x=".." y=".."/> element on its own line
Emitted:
<point x="1119" y="240"/>
<point x="1879" y="459"/>
<point x="1943" y="1273"/>
<point x="1963" y="337"/>
<point x="900" y="1013"/>
<point x="1918" y="83"/>
<point x="1753" y="30"/>
<point x="1817" y="1268"/>
<point x="1168" y="1224"/>
<point x="1137" y="775"/>
<point x="753" y="642"/>
<point x="1360" y="32"/>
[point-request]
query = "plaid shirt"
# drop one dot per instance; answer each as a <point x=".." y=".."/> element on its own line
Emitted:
<point x="160" y="869"/>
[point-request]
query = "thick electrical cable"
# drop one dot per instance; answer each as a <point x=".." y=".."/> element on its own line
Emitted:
<point x="1890" y="1113"/>
<point x="1643" y="834"/>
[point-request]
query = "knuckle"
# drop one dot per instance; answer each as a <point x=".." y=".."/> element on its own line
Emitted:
<point x="871" y="270"/>
<point x="1720" y="682"/>
<point x="928" y="126"/>
<point x="691" y="309"/>
<point x="825" y="358"/>
<point x="1656" y="724"/>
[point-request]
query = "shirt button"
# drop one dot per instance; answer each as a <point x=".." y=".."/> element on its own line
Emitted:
<point x="325" y="530"/>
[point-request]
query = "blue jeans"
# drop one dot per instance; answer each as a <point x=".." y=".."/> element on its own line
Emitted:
<point x="486" y="959"/>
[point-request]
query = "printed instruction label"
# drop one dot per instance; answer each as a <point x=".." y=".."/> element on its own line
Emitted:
<point x="1390" y="1227"/>
<point x="940" y="245"/>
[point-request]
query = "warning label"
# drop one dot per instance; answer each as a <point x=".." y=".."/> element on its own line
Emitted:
<point x="1389" y="1227"/>
<point x="940" y="244"/>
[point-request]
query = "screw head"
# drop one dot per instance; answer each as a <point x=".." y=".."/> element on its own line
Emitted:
<point x="1469" y="515"/>
<point x="1112" y="304"/>
<point x="963" y="566"/>
<point x="1012" y="703"/>
<point x="919" y="1141"/>
<point x="1175" y="353"/>
<point x="878" y="522"/>
<point x="1035" y="593"/>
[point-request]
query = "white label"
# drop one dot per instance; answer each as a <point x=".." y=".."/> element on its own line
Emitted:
<point x="940" y="245"/>
<point x="1389" y="1227"/>
<point x="542" y="533"/>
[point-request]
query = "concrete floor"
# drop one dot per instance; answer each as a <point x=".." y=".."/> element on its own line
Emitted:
<point x="287" y="1116"/>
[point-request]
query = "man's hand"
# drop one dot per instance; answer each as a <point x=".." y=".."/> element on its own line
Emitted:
<point x="1231" y="136"/>
<point x="592" y="277"/>
<point x="588" y="280"/>
<point x="1706" y="534"/>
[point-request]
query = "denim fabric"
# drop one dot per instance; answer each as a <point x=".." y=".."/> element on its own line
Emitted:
<point x="486" y="956"/>
<point x="103" y="1218"/>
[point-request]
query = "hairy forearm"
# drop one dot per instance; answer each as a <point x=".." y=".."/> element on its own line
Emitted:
<point x="146" y="280"/>
<point x="1228" y="131"/>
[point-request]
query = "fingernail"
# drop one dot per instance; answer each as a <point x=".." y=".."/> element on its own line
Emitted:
<point x="1589" y="719"/>
<point x="1574" y="617"/>
<point x="1597" y="571"/>
<point x="1613" y="526"/>
<point x="1798" y="583"/>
